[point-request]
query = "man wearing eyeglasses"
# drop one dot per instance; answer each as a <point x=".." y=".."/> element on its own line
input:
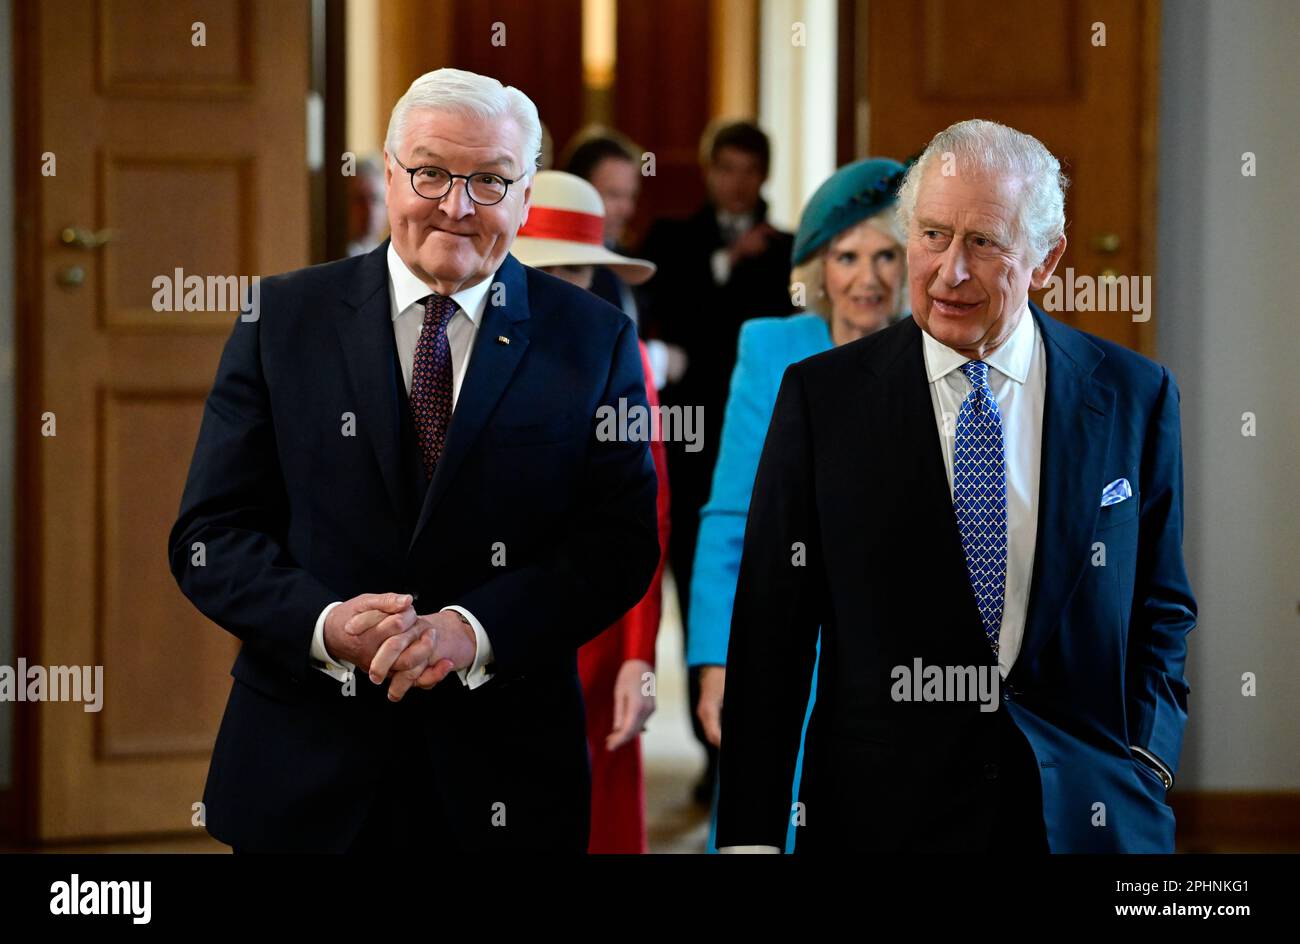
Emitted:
<point x="398" y="480"/>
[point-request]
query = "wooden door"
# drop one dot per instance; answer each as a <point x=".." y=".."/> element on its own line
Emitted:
<point x="172" y="132"/>
<point x="1038" y="65"/>
<point x="662" y="101"/>
<point x="534" y="46"/>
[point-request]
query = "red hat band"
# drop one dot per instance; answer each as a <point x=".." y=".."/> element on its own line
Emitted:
<point x="569" y="225"/>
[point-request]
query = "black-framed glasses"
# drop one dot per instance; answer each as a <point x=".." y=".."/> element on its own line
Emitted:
<point x="434" y="183"/>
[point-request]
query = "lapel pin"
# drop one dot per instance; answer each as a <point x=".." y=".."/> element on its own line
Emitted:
<point x="502" y="339"/>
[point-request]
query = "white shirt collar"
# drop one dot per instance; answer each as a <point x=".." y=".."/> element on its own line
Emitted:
<point x="405" y="289"/>
<point x="1012" y="359"/>
<point x="740" y="220"/>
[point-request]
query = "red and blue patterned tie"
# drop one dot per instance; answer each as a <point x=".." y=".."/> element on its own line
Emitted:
<point x="431" y="380"/>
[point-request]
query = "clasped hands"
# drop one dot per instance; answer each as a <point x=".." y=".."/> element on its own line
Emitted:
<point x="382" y="633"/>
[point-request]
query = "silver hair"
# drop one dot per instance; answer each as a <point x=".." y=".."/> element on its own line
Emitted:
<point x="990" y="148"/>
<point x="478" y="96"/>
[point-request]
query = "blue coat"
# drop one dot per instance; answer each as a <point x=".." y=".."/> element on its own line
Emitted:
<point x="767" y="347"/>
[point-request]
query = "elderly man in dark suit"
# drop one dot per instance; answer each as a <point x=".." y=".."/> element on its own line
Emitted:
<point x="981" y="510"/>
<point x="398" y="474"/>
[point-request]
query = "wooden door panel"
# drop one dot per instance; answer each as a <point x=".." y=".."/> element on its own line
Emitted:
<point x="158" y="652"/>
<point x="189" y="157"/>
<point x="145" y="48"/>
<point x="964" y="57"/>
<point x="156" y="201"/>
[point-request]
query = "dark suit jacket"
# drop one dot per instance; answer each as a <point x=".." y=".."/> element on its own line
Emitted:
<point x="293" y="515"/>
<point x="685" y="307"/>
<point x="852" y="467"/>
<point x="605" y="284"/>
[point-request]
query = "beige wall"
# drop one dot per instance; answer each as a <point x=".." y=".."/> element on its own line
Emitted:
<point x="1228" y="328"/>
<point x="367" y="122"/>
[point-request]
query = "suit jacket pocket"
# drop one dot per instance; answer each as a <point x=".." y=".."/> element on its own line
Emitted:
<point x="1112" y="515"/>
<point x="1150" y="780"/>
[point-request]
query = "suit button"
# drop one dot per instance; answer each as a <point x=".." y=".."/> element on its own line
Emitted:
<point x="990" y="771"/>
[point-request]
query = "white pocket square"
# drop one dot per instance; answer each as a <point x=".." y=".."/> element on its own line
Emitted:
<point x="1116" y="492"/>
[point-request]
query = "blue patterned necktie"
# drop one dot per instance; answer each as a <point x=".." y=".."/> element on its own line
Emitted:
<point x="431" y="380"/>
<point x="979" y="496"/>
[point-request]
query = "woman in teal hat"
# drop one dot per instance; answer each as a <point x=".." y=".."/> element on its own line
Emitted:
<point x="850" y="273"/>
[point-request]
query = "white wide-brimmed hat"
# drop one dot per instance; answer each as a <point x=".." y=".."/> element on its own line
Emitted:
<point x="566" y="227"/>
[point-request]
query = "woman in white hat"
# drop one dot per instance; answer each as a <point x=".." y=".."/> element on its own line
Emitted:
<point x="564" y="236"/>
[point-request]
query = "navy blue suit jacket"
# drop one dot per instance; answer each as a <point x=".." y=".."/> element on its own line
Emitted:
<point x="852" y="467"/>
<point x="293" y="514"/>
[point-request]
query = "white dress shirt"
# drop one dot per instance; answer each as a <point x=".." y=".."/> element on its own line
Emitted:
<point x="405" y="292"/>
<point x="732" y="226"/>
<point x="1018" y="379"/>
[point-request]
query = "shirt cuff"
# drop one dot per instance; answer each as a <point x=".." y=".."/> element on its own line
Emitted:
<point x="320" y="657"/>
<point x="720" y="263"/>
<point x="749" y="850"/>
<point x="476" y="674"/>
<point x="1155" y="762"/>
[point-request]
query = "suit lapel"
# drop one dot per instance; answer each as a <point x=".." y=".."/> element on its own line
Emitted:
<point x="1077" y="418"/>
<point x="926" y="505"/>
<point x="364" y="323"/>
<point x="491" y="365"/>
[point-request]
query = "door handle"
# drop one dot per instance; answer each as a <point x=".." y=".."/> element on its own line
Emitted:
<point x="70" y="276"/>
<point x="77" y="237"/>
<point x="1107" y="243"/>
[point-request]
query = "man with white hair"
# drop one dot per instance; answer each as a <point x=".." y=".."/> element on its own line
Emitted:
<point x="981" y="510"/>
<point x="398" y="472"/>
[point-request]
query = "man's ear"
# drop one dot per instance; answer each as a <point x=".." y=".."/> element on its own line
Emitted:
<point x="1043" y="271"/>
<point x="527" y="204"/>
<point x="388" y="175"/>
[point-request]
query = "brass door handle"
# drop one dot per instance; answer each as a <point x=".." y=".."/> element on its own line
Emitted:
<point x="1107" y="243"/>
<point x="77" y="237"/>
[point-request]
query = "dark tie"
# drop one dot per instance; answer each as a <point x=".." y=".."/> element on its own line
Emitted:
<point x="431" y="380"/>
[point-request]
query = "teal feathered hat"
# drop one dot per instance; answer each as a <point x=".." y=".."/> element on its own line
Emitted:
<point x="852" y="194"/>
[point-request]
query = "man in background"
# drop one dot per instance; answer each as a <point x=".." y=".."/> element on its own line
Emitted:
<point x="367" y="210"/>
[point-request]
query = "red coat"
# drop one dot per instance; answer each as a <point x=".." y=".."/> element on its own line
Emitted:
<point x="617" y="784"/>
